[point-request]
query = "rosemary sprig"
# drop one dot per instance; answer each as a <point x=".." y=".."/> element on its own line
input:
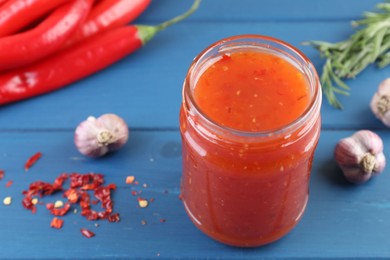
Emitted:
<point x="346" y="59"/>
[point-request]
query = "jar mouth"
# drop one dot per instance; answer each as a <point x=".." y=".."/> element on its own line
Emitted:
<point x="258" y="42"/>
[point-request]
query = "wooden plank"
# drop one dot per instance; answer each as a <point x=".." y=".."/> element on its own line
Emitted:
<point x="145" y="88"/>
<point x="265" y="10"/>
<point x="341" y="220"/>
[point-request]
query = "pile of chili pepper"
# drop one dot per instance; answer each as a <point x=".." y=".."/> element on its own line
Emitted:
<point x="48" y="44"/>
<point x="80" y="184"/>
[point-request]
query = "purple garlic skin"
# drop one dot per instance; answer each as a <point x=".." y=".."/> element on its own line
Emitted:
<point x="380" y="102"/>
<point x="360" y="156"/>
<point x="95" y="137"/>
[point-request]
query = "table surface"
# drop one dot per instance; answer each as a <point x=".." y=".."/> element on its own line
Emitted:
<point x="341" y="220"/>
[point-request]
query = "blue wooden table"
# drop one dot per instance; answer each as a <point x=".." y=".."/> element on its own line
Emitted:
<point x="341" y="220"/>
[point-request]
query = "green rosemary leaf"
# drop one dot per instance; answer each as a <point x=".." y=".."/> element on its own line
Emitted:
<point x="340" y="83"/>
<point x="346" y="59"/>
<point x="378" y="43"/>
<point x="384" y="60"/>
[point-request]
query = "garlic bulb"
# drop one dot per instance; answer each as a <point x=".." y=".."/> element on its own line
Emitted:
<point x="380" y="102"/>
<point x="95" y="137"/>
<point x="360" y="156"/>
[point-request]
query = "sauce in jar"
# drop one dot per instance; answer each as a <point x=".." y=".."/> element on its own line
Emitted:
<point x="250" y="122"/>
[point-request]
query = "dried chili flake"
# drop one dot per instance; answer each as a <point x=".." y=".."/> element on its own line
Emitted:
<point x="102" y="192"/>
<point x="107" y="204"/>
<point x="50" y="206"/>
<point x="130" y="179"/>
<point x="163" y="220"/>
<point x="111" y="186"/>
<point x="114" y="217"/>
<point x="58" y="211"/>
<point x="104" y="214"/>
<point x="90" y="214"/>
<point x="90" y="186"/>
<point x="78" y="180"/>
<point x="2" y="174"/>
<point x="9" y="183"/>
<point x="57" y="185"/>
<point x="39" y="188"/>
<point x="71" y="195"/>
<point x="85" y="200"/>
<point x="56" y="223"/>
<point x="75" y="180"/>
<point x="87" y="233"/>
<point x="27" y="203"/>
<point x="134" y="193"/>
<point x="32" y="160"/>
<point x="97" y="178"/>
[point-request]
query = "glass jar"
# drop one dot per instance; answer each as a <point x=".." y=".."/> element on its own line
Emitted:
<point x="247" y="188"/>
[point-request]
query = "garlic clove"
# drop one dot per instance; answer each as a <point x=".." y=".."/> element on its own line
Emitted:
<point x="360" y="156"/>
<point x="95" y="137"/>
<point x="380" y="102"/>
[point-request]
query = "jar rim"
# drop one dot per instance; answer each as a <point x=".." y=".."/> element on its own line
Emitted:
<point x="314" y="83"/>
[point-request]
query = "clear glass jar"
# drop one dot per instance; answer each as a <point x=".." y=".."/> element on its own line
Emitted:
<point x="247" y="188"/>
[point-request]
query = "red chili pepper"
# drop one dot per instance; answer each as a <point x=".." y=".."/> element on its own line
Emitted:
<point x="32" y="160"/>
<point x="85" y="59"/>
<point x="2" y="174"/>
<point x="16" y="14"/>
<point x="24" y="48"/>
<point x="3" y="2"/>
<point x="108" y="15"/>
<point x="87" y="233"/>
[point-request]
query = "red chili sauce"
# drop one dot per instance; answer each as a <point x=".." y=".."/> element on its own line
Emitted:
<point x="248" y="193"/>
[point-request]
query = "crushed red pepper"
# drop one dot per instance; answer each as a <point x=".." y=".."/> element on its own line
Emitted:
<point x="8" y="184"/>
<point x="58" y="211"/>
<point x="56" y="223"/>
<point x="2" y="172"/>
<point x="28" y="204"/>
<point x="87" y="233"/>
<point x="80" y="184"/>
<point x="31" y="161"/>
